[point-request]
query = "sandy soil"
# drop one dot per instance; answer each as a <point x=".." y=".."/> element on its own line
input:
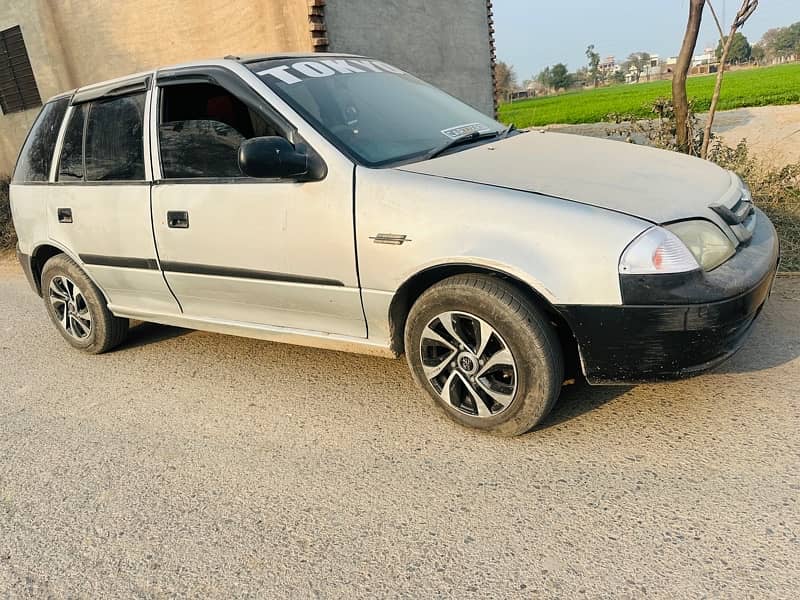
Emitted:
<point x="772" y="131"/>
<point x="201" y="465"/>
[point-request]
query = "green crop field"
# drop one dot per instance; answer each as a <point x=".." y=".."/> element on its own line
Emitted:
<point x="753" y="87"/>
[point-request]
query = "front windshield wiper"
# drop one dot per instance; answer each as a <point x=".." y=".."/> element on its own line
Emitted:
<point x="464" y="139"/>
<point x="507" y="131"/>
<point x="470" y="137"/>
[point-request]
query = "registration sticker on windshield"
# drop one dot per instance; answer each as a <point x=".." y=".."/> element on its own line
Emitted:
<point x="460" y="131"/>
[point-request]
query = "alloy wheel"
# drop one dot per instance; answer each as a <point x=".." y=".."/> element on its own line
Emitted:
<point x="468" y="364"/>
<point x="70" y="307"/>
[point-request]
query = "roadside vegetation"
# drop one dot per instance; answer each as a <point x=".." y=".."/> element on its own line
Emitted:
<point x="753" y="87"/>
<point x="8" y="237"/>
<point x="776" y="191"/>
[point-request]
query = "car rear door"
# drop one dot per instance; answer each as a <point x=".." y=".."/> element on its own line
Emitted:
<point x="242" y="250"/>
<point x="98" y="207"/>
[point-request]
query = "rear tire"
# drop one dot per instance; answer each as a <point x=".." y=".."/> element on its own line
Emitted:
<point x="78" y="309"/>
<point x="487" y="355"/>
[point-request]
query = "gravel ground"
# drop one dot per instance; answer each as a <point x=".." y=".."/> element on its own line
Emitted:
<point x="190" y="464"/>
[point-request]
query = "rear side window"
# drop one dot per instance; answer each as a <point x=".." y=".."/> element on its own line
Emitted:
<point x="114" y="145"/>
<point x="70" y="167"/>
<point x="37" y="152"/>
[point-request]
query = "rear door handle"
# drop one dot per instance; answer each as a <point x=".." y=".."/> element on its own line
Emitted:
<point x="178" y="219"/>
<point x="64" y="215"/>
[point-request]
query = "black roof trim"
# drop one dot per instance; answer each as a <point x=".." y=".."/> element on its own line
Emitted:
<point x="246" y="60"/>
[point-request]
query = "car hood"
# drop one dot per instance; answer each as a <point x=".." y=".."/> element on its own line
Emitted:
<point x="654" y="185"/>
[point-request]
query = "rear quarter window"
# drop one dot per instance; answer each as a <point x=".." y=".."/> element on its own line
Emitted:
<point x="70" y="166"/>
<point x="36" y="155"/>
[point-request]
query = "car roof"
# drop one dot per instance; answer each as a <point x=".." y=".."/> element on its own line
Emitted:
<point x="253" y="58"/>
<point x="100" y="87"/>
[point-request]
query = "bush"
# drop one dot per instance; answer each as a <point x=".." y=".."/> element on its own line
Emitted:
<point x="776" y="191"/>
<point x="8" y="237"/>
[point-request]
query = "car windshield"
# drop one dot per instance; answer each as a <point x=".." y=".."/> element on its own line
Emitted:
<point x="372" y="111"/>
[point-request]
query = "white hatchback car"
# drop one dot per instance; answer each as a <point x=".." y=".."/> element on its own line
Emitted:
<point x="336" y="201"/>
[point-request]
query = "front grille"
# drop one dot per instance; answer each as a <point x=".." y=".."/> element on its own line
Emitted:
<point x="741" y="217"/>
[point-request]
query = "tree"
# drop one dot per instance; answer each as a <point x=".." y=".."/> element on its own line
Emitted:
<point x="556" y="77"/>
<point x="594" y="65"/>
<point x="740" y="51"/>
<point x="745" y="12"/>
<point x="640" y="60"/>
<point x="580" y="77"/>
<point x="560" y="77"/>
<point x="680" y="99"/>
<point x="545" y="77"/>
<point x="758" y="53"/>
<point x="505" y="80"/>
<point x="781" y="41"/>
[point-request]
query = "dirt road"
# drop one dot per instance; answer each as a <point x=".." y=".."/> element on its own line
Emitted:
<point x="773" y="132"/>
<point x="193" y="464"/>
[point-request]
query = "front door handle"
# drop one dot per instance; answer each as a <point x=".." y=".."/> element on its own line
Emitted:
<point x="178" y="219"/>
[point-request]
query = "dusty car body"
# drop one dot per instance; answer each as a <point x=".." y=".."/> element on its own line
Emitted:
<point x="341" y="203"/>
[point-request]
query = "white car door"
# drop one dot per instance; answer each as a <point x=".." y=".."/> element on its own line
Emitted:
<point x="98" y="207"/>
<point x="243" y="250"/>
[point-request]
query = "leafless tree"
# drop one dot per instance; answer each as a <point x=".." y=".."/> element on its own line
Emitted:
<point x="505" y="80"/>
<point x="745" y="12"/>
<point x="680" y="98"/>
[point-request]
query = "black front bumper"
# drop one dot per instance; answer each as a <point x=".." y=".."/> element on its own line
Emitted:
<point x="691" y="325"/>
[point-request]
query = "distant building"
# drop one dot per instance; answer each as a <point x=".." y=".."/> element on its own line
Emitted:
<point x="652" y="70"/>
<point x="632" y="76"/>
<point x="522" y="94"/>
<point x="708" y="57"/>
<point x="608" y="67"/>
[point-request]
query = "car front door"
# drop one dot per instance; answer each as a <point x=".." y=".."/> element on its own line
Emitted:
<point x="242" y="250"/>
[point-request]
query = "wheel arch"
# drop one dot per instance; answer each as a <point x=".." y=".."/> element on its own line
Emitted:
<point x="39" y="257"/>
<point x="408" y="293"/>
<point x="44" y="252"/>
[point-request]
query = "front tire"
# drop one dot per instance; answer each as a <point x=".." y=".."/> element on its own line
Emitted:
<point x="488" y="356"/>
<point x="78" y="309"/>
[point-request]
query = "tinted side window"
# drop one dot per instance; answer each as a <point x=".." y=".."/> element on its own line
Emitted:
<point x="201" y="128"/>
<point x="199" y="148"/>
<point x="114" y="146"/>
<point x="37" y="152"/>
<point x="70" y="167"/>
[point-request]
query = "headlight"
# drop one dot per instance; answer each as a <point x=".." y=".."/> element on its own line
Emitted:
<point x="707" y="243"/>
<point x="657" y="250"/>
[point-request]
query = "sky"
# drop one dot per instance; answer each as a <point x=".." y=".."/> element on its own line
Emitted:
<point x="532" y="34"/>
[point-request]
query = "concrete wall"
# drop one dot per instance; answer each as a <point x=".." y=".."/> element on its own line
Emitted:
<point x="446" y="43"/>
<point x="44" y="48"/>
<point x="72" y="43"/>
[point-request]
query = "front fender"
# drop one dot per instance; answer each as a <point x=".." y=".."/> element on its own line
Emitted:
<point x="568" y="252"/>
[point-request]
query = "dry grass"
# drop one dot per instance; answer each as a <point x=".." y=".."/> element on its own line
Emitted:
<point x="776" y="191"/>
<point x="8" y="237"/>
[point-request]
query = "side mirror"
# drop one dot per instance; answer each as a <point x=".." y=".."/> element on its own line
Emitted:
<point x="272" y="158"/>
